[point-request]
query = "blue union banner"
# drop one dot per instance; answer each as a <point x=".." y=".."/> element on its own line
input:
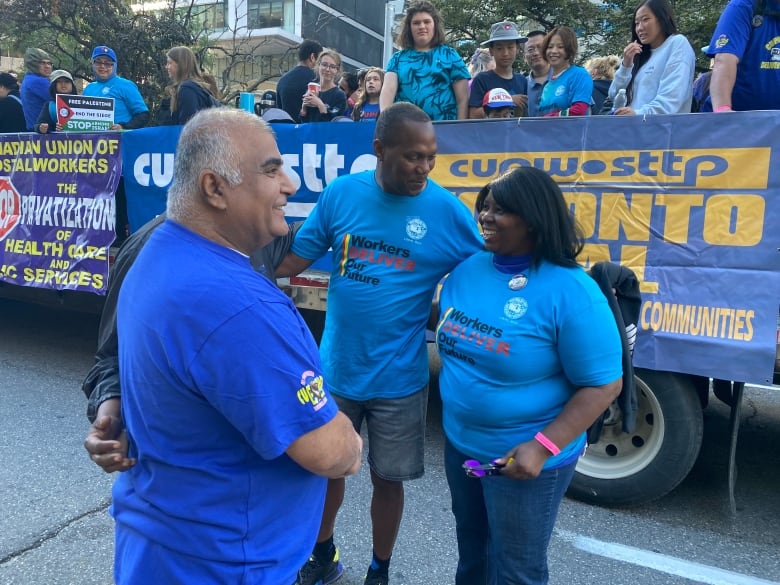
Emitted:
<point x="57" y="209"/>
<point x="689" y="202"/>
<point x="691" y="207"/>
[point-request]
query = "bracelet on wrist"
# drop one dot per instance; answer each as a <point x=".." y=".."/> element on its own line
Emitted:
<point x="723" y="109"/>
<point x="547" y="443"/>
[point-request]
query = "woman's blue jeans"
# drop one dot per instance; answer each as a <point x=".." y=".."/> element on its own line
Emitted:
<point x="503" y="525"/>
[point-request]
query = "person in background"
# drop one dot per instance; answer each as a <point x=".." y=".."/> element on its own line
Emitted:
<point x="367" y="106"/>
<point x="293" y="84"/>
<point x="328" y="101"/>
<point x="539" y="70"/>
<point x="35" y="85"/>
<point x="745" y="76"/>
<point x="504" y="45"/>
<point x="497" y="103"/>
<point x="130" y="111"/>
<point x="426" y="72"/>
<point x="480" y="61"/>
<point x="349" y="84"/>
<point x="378" y="366"/>
<point x="553" y="364"/>
<point x="569" y="88"/>
<point x="62" y="83"/>
<point x="700" y="101"/>
<point x="190" y="91"/>
<point x="602" y="71"/>
<point x="658" y="64"/>
<point x="11" y="111"/>
<point x="238" y="501"/>
<point x="746" y="48"/>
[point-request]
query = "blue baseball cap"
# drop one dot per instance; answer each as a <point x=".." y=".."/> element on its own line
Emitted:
<point x="103" y="51"/>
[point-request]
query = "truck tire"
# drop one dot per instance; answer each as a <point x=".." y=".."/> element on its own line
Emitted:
<point x="625" y="469"/>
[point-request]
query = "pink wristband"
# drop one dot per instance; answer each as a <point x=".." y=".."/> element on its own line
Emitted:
<point x="723" y="109"/>
<point x="547" y="443"/>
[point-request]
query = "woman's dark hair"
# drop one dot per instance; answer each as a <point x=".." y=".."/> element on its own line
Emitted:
<point x="9" y="81"/>
<point x="568" y="38"/>
<point x="405" y="38"/>
<point x="663" y="11"/>
<point x="534" y="196"/>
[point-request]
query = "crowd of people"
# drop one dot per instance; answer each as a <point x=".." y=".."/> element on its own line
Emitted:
<point x="655" y="73"/>
<point x="193" y="290"/>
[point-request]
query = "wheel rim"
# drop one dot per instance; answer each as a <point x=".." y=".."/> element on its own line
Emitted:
<point x="619" y="454"/>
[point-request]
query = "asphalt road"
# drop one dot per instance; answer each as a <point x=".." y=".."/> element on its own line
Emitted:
<point x="55" y="528"/>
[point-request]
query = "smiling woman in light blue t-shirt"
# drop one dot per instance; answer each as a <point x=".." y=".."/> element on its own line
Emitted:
<point x="569" y="87"/>
<point x="530" y="356"/>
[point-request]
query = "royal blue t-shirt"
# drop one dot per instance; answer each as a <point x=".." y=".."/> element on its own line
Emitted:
<point x="389" y="253"/>
<point x="513" y="355"/>
<point x="219" y="377"/>
<point x="369" y="112"/>
<point x="757" y="86"/>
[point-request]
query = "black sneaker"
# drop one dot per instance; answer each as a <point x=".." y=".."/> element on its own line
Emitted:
<point x="315" y="572"/>
<point x="376" y="578"/>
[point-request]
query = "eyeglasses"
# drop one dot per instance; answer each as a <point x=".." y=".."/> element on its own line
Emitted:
<point x="474" y="468"/>
<point x="329" y="66"/>
<point x="103" y="63"/>
<point x="46" y="63"/>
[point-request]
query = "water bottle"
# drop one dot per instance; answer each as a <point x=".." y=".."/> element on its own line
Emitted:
<point x="620" y="100"/>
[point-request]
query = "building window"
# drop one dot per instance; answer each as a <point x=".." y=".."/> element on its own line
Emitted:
<point x="207" y="17"/>
<point x="266" y="13"/>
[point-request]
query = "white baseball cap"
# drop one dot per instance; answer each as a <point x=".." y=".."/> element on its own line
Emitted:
<point x="498" y="98"/>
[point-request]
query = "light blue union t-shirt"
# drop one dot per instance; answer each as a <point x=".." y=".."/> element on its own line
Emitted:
<point x="513" y="355"/>
<point x="389" y="253"/>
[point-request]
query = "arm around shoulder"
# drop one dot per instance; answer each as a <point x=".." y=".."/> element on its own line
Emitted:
<point x="292" y="265"/>
<point x="332" y="450"/>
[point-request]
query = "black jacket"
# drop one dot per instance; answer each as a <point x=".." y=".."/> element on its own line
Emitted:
<point x="12" y="114"/>
<point x="190" y="99"/>
<point x="625" y="303"/>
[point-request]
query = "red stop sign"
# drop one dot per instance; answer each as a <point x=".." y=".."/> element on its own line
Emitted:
<point x="10" y="207"/>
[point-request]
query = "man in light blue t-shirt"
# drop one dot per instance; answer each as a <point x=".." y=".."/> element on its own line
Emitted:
<point x="393" y="234"/>
<point x="130" y="110"/>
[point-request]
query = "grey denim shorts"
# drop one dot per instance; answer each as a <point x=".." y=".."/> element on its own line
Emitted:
<point x="396" y="433"/>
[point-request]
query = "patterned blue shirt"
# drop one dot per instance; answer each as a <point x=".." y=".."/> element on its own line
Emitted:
<point x="425" y="79"/>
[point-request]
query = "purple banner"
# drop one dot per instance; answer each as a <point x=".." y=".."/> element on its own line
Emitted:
<point x="57" y="209"/>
